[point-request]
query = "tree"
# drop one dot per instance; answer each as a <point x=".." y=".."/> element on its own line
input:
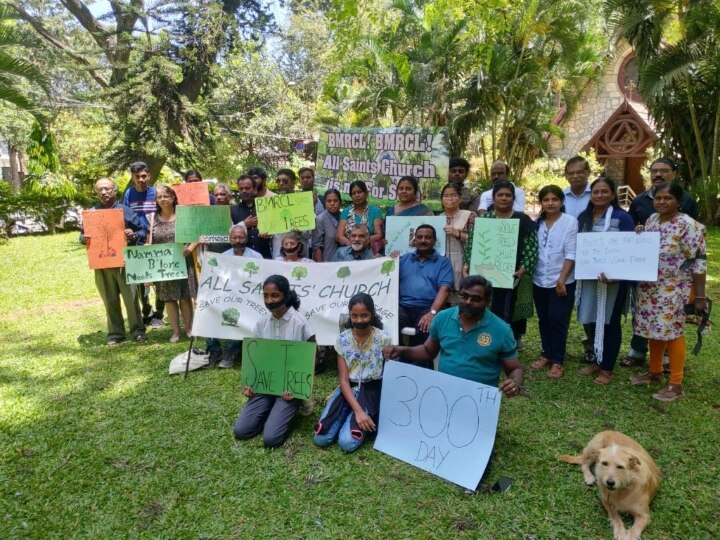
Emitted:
<point x="343" y="272"/>
<point x="299" y="272"/>
<point x="251" y="268"/>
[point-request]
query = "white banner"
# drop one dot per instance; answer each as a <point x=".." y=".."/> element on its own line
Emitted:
<point x="619" y="255"/>
<point x="230" y="302"/>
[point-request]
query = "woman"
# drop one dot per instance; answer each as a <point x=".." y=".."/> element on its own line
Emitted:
<point x="360" y="212"/>
<point x="292" y="247"/>
<point x="603" y="214"/>
<point x="273" y="414"/>
<point x="177" y="294"/>
<point x="326" y="225"/>
<point x="351" y="412"/>
<point x="458" y="224"/>
<point x="660" y="305"/>
<point x="408" y="194"/>
<point x="515" y="305"/>
<point x="553" y="279"/>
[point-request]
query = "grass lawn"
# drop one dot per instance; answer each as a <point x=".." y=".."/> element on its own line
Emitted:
<point x="102" y="443"/>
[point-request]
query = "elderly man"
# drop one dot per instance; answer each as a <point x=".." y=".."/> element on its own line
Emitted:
<point x="222" y="198"/>
<point x="246" y="213"/>
<point x="473" y="343"/>
<point x="577" y="194"/>
<point x="425" y="280"/>
<point x="500" y="171"/>
<point x="110" y="282"/>
<point x="458" y="170"/>
<point x="359" y="249"/>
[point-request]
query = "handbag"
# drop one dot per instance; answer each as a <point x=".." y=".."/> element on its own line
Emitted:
<point x="702" y="321"/>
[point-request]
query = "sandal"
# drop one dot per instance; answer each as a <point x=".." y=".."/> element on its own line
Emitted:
<point x="604" y="378"/>
<point x="556" y="371"/>
<point x="647" y="378"/>
<point x="631" y="361"/>
<point x="671" y="393"/>
<point x="589" y="370"/>
<point x="540" y="363"/>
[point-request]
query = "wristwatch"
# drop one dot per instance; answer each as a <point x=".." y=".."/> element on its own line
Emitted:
<point x="433" y="312"/>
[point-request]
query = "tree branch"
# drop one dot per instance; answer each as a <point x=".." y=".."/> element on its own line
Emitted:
<point x="85" y="17"/>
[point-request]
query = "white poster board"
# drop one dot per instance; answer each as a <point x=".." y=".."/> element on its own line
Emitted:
<point x="439" y="423"/>
<point x="230" y="301"/>
<point x="619" y="255"/>
<point x="400" y="232"/>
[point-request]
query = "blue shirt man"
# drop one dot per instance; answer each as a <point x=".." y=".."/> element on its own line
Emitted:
<point x="359" y="248"/>
<point x="140" y="196"/>
<point x="577" y="194"/>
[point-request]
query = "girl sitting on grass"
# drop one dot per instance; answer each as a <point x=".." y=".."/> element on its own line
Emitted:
<point x="351" y="411"/>
<point x="272" y="414"/>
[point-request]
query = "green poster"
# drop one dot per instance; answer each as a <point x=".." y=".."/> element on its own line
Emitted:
<point x="494" y="250"/>
<point x="192" y="222"/>
<point x="273" y="367"/>
<point x="159" y="262"/>
<point x="286" y="212"/>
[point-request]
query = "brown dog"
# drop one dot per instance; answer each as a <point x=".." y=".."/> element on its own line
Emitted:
<point x="627" y="479"/>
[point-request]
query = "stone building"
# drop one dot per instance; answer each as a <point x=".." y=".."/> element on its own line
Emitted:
<point x="611" y="119"/>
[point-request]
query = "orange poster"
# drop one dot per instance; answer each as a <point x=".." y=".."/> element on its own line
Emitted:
<point x="193" y="194"/>
<point x="104" y="231"/>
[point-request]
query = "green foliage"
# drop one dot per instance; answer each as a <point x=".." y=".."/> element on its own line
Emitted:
<point x="47" y="198"/>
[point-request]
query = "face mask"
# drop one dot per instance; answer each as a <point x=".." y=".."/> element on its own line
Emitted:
<point x="361" y="325"/>
<point x="357" y="246"/>
<point x="290" y="249"/>
<point x="274" y="305"/>
<point x="470" y="310"/>
<point x="239" y="245"/>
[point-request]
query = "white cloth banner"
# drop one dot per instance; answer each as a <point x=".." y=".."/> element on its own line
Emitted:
<point x="230" y="301"/>
<point x="619" y="255"/>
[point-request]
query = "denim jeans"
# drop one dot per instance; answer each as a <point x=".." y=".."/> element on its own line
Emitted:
<point x="340" y="429"/>
<point x="233" y="347"/>
<point x="553" y="314"/>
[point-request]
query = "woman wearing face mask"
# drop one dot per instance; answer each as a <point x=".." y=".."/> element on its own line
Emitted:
<point x="292" y="247"/>
<point x="351" y="412"/>
<point x="326" y="224"/>
<point x="272" y="414"/>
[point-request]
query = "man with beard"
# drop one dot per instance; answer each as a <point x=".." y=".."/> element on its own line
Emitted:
<point x="286" y="184"/>
<point x="358" y="250"/>
<point x="307" y="183"/>
<point x="473" y="343"/>
<point x="246" y="213"/>
<point x="259" y="177"/>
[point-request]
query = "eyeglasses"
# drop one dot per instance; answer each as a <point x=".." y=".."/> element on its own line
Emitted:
<point x="471" y="297"/>
<point x="545" y="237"/>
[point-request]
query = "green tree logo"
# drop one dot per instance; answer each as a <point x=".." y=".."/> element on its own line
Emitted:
<point x="213" y="262"/>
<point x="230" y="317"/>
<point x="299" y="272"/>
<point x="251" y="268"/>
<point x="343" y="272"/>
<point x="387" y="267"/>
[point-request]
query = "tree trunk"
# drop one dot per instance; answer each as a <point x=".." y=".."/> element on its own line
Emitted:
<point x="14" y="159"/>
<point x="155" y="165"/>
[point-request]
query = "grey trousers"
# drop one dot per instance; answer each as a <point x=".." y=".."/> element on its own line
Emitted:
<point x="112" y="287"/>
<point x="270" y="414"/>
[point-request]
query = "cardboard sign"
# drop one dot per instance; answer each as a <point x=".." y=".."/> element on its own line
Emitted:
<point x="192" y="222"/>
<point x="230" y="301"/>
<point x="436" y="422"/>
<point x="157" y="262"/>
<point x="192" y="193"/>
<point x="494" y="250"/>
<point x="619" y="255"/>
<point x="286" y="212"/>
<point x="400" y="232"/>
<point x="104" y="231"/>
<point x="277" y="366"/>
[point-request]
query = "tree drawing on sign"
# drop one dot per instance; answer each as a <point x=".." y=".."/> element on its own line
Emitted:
<point x="482" y="245"/>
<point x="212" y="262"/>
<point x="387" y="267"/>
<point x="251" y="268"/>
<point x="230" y="317"/>
<point x="287" y="216"/>
<point x="343" y="272"/>
<point x="107" y="233"/>
<point x="299" y="272"/>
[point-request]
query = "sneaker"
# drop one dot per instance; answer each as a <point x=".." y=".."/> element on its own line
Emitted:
<point x="647" y="378"/>
<point x="215" y="357"/>
<point x="156" y="323"/>
<point x="227" y="361"/>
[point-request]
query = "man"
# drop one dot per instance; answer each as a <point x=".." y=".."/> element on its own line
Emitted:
<point x="239" y="242"/>
<point x="307" y="183"/>
<point x="222" y="198"/>
<point x="259" y="176"/>
<point x="661" y="170"/>
<point x="110" y="282"/>
<point x="246" y="213"/>
<point x="140" y="197"/>
<point x="425" y="280"/>
<point x="473" y="343"/>
<point x="193" y="176"/>
<point x="286" y="184"/>
<point x="359" y="249"/>
<point x="500" y="171"/>
<point x="457" y="174"/>
<point x="577" y="194"/>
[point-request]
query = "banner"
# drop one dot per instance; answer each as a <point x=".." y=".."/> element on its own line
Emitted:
<point x="157" y="262"/>
<point x="400" y="232"/>
<point x="282" y="213"/>
<point x="274" y="367"/>
<point x="104" y="231"/>
<point x="619" y="255"/>
<point x="494" y="250"/>
<point x="192" y="222"/>
<point x="380" y="157"/>
<point x="230" y="302"/>
<point x="192" y="193"/>
<point x="439" y="423"/>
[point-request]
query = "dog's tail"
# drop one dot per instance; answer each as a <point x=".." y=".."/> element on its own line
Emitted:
<point x="571" y="459"/>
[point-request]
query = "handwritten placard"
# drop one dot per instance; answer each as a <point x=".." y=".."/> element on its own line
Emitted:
<point x="286" y="212"/>
<point x="192" y="193"/>
<point x="277" y="366"/>
<point x="104" y="231"/>
<point x="619" y="255"/>
<point x="158" y="262"/>
<point x="400" y="232"/>
<point x="436" y="422"/>
<point x="494" y="250"/>
<point x="192" y="222"/>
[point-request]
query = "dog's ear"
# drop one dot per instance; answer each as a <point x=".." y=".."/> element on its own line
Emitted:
<point x="634" y="462"/>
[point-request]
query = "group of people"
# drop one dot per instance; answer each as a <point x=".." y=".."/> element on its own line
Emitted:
<point x="442" y="308"/>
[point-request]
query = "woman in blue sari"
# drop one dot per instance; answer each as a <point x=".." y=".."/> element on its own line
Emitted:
<point x="408" y="204"/>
